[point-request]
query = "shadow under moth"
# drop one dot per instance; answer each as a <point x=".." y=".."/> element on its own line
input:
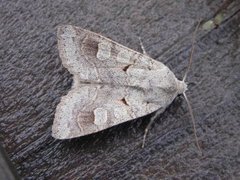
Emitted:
<point x="112" y="84"/>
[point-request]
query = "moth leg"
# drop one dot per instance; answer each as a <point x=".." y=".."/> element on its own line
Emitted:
<point x="149" y="126"/>
<point x="143" y="49"/>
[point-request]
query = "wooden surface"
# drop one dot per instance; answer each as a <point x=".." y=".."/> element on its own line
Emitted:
<point x="33" y="81"/>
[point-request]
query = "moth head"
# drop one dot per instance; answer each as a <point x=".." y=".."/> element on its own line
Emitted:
<point x="181" y="87"/>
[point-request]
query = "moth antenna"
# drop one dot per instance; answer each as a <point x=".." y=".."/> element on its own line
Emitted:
<point x="192" y="51"/>
<point x="184" y="94"/>
<point x="193" y="122"/>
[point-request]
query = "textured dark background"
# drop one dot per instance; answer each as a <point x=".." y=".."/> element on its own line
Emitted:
<point x="33" y="81"/>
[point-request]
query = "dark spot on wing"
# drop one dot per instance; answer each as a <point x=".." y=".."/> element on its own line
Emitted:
<point x="89" y="47"/>
<point x="126" y="67"/>
<point x="123" y="100"/>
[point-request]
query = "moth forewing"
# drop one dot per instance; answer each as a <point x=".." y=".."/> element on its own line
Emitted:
<point x="112" y="84"/>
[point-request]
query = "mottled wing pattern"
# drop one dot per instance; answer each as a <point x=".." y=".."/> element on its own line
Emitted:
<point x="97" y="59"/>
<point x="112" y="84"/>
<point x="88" y="49"/>
<point x="91" y="108"/>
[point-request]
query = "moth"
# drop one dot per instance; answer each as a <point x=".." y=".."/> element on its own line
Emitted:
<point x="112" y="84"/>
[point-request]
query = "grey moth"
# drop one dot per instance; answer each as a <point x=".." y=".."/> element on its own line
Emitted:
<point x="112" y="84"/>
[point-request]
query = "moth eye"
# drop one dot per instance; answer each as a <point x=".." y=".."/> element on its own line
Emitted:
<point x="123" y="100"/>
<point x="126" y="67"/>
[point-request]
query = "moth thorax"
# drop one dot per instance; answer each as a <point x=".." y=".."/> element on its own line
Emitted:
<point x="181" y="86"/>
